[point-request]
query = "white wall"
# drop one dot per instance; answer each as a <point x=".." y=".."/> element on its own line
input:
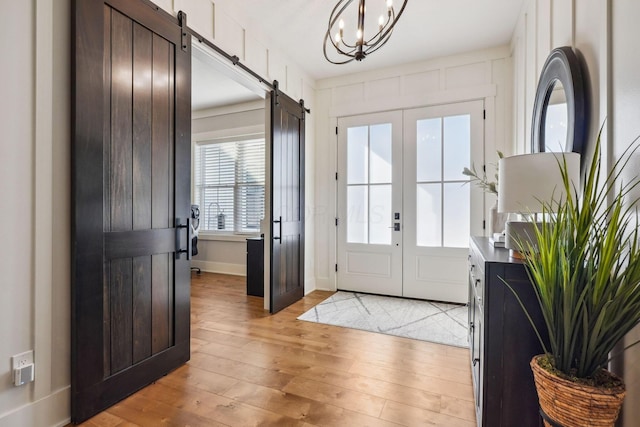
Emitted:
<point x="484" y="75"/>
<point x="218" y="254"/>
<point x="604" y="31"/>
<point x="35" y="189"/>
<point x="625" y="111"/>
<point x="35" y="214"/>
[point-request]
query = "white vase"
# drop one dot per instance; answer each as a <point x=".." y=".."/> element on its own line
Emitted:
<point x="496" y="220"/>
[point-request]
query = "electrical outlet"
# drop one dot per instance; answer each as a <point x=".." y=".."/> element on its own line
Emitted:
<point x="23" y="368"/>
<point x="22" y="359"/>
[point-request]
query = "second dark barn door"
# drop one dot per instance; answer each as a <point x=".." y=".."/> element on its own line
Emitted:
<point x="131" y="180"/>
<point x="287" y="201"/>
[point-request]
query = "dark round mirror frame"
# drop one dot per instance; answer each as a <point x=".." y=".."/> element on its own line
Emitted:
<point x="565" y="66"/>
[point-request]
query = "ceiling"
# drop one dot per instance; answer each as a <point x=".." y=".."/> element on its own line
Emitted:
<point x="427" y="29"/>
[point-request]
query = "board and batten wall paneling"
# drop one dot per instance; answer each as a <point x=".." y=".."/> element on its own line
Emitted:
<point x="228" y="34"/>
<point x="277" y="68"/>
<point x="481" y="75"/>
<point x="466" y="75"/>
<point x="35" y="211"/>
<point x="309" y="96"/>
<point x="625" y="69"/>
<point x="256" y="55"/>
<point x="380" y="88"/>
<point x="422" y="82"/>
<point x="562" y="23"/>
<point x="531" y="68"/>
<point x="543" y="27"/>
<point x="201" y="15"/>
<point x="17" y="189"/>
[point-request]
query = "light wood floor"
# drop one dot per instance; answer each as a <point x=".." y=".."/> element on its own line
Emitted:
<point x="251" y="369"/>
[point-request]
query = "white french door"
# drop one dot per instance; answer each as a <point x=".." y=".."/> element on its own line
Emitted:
<point x="369" y="195"/>
<point x="441" y="208"/>
<point x="405" y="210"/>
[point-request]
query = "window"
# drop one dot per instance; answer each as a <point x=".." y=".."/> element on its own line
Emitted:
<point x="229" y="185"/>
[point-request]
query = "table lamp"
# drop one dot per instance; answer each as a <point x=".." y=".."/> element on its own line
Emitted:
<point x="527" y="182"/>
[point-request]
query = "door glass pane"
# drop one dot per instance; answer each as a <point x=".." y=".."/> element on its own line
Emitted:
<point x="457" y="146"/>
<point x="380" y="214"/>
<point x="428" y="150"/>
<point x="357" y="155"/>
<point x="380" y="155"/>
<point x="429" y="215"/>
<point x="357" y="213"/>
<point x="456" y="215"/>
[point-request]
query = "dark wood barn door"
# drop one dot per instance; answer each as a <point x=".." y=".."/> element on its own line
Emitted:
<point x="287" y="201"/>
<point x="131" y="191"/>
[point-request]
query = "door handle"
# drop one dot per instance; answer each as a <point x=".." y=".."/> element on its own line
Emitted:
<point x="396" y="226"/>
<point x="179" y="250"/>
<point x="279" y="222"/>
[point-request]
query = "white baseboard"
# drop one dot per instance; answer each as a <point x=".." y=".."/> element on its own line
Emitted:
<point x="221" y="267"/>
<point x="53" y="410"/>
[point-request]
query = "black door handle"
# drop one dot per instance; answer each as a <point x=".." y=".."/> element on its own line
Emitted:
<point x="179" y="250"/>
<point x="279" y="222"/>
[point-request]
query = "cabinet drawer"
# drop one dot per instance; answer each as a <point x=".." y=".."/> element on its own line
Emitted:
<point x="475" y="262"/>
<point x="476" y="275"/>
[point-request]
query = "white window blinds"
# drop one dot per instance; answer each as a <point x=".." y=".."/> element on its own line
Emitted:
<point x="229" y="185"/>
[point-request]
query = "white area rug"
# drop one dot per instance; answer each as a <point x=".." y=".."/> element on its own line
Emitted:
<point x="421" y="320"/>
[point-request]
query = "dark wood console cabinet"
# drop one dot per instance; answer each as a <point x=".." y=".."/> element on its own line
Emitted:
<point x="501" y="339"/>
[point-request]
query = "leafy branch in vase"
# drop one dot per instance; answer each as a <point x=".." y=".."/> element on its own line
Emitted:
<point x="481" y="180"/>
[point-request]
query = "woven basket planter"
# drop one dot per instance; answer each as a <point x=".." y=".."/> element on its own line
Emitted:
<point x="568" y="404"/>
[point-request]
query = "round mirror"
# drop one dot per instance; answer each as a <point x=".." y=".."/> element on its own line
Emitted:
<point x="560" y="108"/>
<point x="556" y="118"/>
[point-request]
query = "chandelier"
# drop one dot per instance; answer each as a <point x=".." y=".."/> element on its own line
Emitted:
<point x="358" y="46"/>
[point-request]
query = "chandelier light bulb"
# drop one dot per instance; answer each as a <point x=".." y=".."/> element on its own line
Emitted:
<point x="389" y="4"/>
<point x="337" y="39"/>
<point x="359" y="34"/>
<point x="381" y="21"/>
<point x="341" y="24"/>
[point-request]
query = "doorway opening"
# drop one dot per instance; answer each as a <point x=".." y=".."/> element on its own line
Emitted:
<point x="256" y="184"/>
<point x="229" y="154"/>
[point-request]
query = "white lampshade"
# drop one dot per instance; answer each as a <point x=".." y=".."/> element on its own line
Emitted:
<point x="529" y="180"/>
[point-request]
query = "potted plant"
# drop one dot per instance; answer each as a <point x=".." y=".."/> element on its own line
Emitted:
<point x="586" y="275"/>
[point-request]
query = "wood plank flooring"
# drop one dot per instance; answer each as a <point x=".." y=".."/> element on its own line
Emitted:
<point x="248" y="368"/>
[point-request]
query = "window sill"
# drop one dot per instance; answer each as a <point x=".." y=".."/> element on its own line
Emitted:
<point x="226" y="237"/>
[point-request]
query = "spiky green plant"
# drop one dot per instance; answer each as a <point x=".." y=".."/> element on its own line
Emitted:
<point x="586" y="269"/>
